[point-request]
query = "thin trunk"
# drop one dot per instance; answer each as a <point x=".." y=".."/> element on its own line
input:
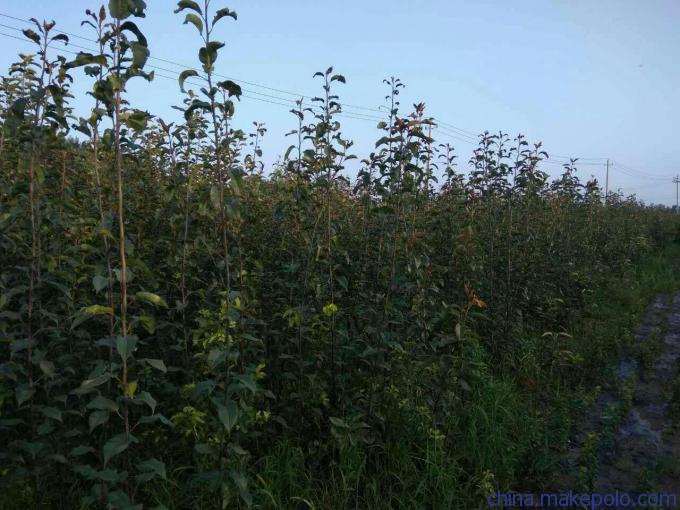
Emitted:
<point x="185" y="250"/>
<point x="220" y="169"/>
<point x="2" y="142"/>
<point x="121" y="228"/>
<point x="107" y="247"/>
<point x="62" y="190"/>
<point x="34" y="263"/>
<point x="33" y="199"/>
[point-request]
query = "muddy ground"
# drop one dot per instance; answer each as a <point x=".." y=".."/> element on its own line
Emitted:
<point x="629" y="439"/>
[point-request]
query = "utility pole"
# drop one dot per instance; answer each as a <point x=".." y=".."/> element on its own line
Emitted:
<point x="676" y="181"/>
<point x="606" y="185"/>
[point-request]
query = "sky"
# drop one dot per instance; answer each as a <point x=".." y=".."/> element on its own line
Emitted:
<point x="592" y="79"/>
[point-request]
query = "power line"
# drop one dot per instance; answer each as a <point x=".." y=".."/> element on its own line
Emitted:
<point x="581" y="159"/>
<point x="454" y="131"/>
<point x="443" y="128"/>
<point x="637" y="173"/>
<point x="159" y="59"/>
<point x="454" y="128"/>
<point x="644" y="186"/>
<point x="453" y="136"/>
<point x="577" y="163"/>
<point x="271" y="98"/>
<point x="292" y="102"/>
<point x="355" y="116"/>
<point x="641" y="176"/>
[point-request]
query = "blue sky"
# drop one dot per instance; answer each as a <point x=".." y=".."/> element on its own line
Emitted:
<point x="588" y="78"/>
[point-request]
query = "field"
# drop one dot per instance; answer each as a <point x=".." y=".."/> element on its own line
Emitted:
<point x="184" y="327"/>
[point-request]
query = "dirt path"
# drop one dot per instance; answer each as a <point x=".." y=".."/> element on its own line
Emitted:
<point x="630" y="440"/>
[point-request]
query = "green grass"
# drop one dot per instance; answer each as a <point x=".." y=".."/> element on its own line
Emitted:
<point x="509" y="434"/>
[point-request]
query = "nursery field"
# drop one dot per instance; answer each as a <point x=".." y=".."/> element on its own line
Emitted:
<point x="185" y="327"/>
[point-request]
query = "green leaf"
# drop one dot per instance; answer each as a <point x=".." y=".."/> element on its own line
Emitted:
<point x="130" y="389"/>
<point x="214" y="479"/>
<point x="115" y="83"/>
<point x="121" y="9"/>
<point x="44" y="428"/>
<point x="148" y="322"/>
<point x="112" y="476"/>
<point x="204" y="448"/>
<point x="131" y="27"/>
<point x="338" y="422"/>
<point x="330" y="309"/>
<point x="60" y="37"/>
<point x="81" y="450"/>
<point x="102" y="403"/>
<point x="51" y="412"/>
<point x="97" y="310"/>
<point x="90" y="384"/>
<point x="222" y="13"/>
<point x="121" y="501"/>
<point x="195" y="20"/>
<point x="247" y="382"/>
<point x="208" y="54"/>
<point x="47" y="367"/>
<point x="237" y="449"/>
<point x="240" y="480"/>
<point x="99" y="283"/>
<point x="342" y="281"/>
<point x="146" y="398"/>
<point x="137" y="120"/>
<point x="154" y="418"/>
<point x="23" y="392"/>
<point x="231" y="87"/>
<point x="128" y="272"/>
<point x="382" y="141"/>
<point x="11" y="422"/>
<point x="203" y="388"/>
<point x="196" y="104"/>
<point x="86" y="471"/>
<point x="140" y="54"/>
<point x="85" y="59"/>
<point x="125" y="345"/>
<point x="228" y="414"/>
<point x="242" y="484"/>
<point x="18" y="107"/>
<point x="106" y="342"/>
<point x="98" y="418"/>
<point x="88" y="312"/>
<point x="158" y="364"/>
<point x="151" y="468"/>
<point x="33" y="448"/>
<point x="152" y="298"/>
<point x="215" y="197"/>
<point x="116" y="445"/>
<point x="31" y="35"/>
<point x="188" y="4"/>
<point x="184" y="75"/>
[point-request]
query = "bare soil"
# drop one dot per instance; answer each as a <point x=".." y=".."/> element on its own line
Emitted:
<point x="638" y="439"/>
